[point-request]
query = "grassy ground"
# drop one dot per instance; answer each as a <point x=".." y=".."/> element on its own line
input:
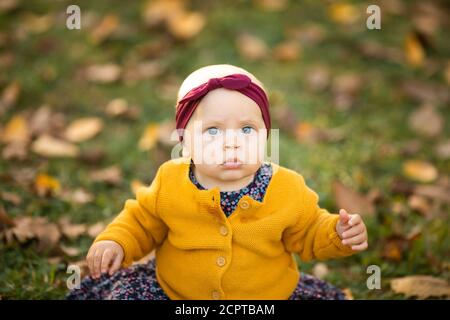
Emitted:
<point x="46" y="64"/>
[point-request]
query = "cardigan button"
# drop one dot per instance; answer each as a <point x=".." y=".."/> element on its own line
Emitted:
<point x="215" y="295"/>
<point x="244" y="204"/>
<point x="221" y="261"/>
<point x="223" y="230"/>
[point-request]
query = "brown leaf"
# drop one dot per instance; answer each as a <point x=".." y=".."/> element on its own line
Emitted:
<point x="9" y="96"/>
<point x="48" y="146"/>
<point x="95" y="229"/>
<point x="318" y="78"/>
<point x="351" y="200"/>
<point x="426" y="121"/>
<point x="71" y="230"/>
<point x="442" y="149"/>
<point x="435" y="192"/>
<point x="161" y="11"/>
<point x="420" y="91"/>
<point x="345" y="89"/>
<point x="419" y="170"/>
<point x="287" y="51"/>
<point x="83" y="129"/>
<point x="12" y="197"/>
<point x="78" y="196"/>
<point x="251" y="47"/>
<point x="103" y="73"/>
<point x="111" y="175"/>
<point x="393" y="248"/>
<point x="28" y="228"/>
<point x="70" y="251"/>
<point x="420" y="204"/>
<point x="421" y="286"/>
<point x="308" y="133"/>
<point x="5" y="219"/>
<point x="272" y="5"/>
<point x="320" y="270"/>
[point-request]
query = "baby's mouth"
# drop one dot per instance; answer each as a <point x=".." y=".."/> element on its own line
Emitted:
<point x="233" y="163"/>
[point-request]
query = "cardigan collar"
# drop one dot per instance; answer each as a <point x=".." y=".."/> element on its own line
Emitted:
<point x="211" y="197"/>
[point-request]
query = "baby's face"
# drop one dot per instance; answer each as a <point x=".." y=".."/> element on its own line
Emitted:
<point x="226" y="136"/>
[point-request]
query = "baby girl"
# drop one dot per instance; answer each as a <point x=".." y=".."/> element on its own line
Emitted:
<point x="224" y="223"/>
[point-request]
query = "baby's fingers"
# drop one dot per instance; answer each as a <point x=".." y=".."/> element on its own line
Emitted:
<point x="353" y="231"/>
<point x="106" y="260"/>
<point x="358" y="239"/>
<point x="116" y="264"/>
<point x="360" y="247"/>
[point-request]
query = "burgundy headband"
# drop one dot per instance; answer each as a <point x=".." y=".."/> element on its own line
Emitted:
<point x="238" y="82"/>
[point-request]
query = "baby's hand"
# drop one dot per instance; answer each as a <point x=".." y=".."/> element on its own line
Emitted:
<point x="103" y="256"/>
<point x="352" y="230"/>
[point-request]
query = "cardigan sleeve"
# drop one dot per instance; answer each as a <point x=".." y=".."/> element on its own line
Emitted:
<point x="314" y="235"/>
<point x="138" y="228"/>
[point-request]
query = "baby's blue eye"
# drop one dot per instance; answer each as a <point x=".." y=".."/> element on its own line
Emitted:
<point x="213" y="131"/>
<point x="247" y="129"/>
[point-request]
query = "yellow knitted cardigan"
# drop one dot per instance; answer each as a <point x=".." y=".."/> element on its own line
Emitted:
<point x="203" y="254"/>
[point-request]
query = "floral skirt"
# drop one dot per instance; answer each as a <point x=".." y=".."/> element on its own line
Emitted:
<point x="139" y="282"/>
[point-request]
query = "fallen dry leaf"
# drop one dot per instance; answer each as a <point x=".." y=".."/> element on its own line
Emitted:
<point x="287" y="51"/>
<point x="149" y="137"/>
<point x="95" y="229"/>
<point x="83" y="129"/>
<point x="46" y="185"/>
<point x="419" y="170"/>
<point x="186" y="25"/>
<point x="426" y="121"/>
<point x="49" y="146"/>
<point x="9" y="96"/>
<point x="161" y="11"/>
<point x="107" y="26"/>
<point x="16" y="130"/>
<point x="351" y="200"/>
<point x="103" y="73"/>
<point x="28" y="228"/>
<point x="5" y="219"/>
<point x="272" y="5"/>
<point x="318" y="78"/>
<point x="251" y="47"/>
<point x="414" y="52"/>
<point x="343" y="13"/>
<point x="421" y="286"/>
<point x="71" y="230"/>
<point x="78" y="196"/>
<point x="111" y="175"/>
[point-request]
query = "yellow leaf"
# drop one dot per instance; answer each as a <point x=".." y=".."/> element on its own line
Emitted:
<point x="46" y="185"/>
<point x="419" y="170"/>
<point x="150" y="137"/>
<point x="16" y="130"/>
<point x="48" y="146"/>
<point x="107" y="26"/>
<point x="135" y="185"/>
<point x="343" y="13"/>
<point x="186" y="25"/>
<point x="83" y="129"/>
<point x="414" y="51"/>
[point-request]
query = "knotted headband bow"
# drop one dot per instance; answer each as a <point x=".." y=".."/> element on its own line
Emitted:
<point x="238" y="82"/>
